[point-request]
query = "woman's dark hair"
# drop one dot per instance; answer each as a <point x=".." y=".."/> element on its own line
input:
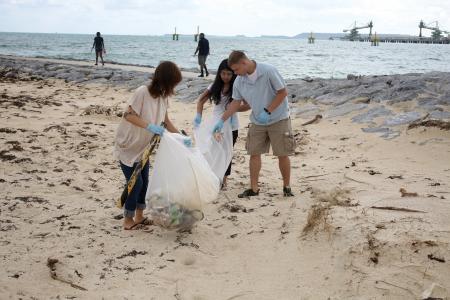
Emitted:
<point x="167" y="75"/>
<point x="98" y="33"/>
<point x="217" y="86"/>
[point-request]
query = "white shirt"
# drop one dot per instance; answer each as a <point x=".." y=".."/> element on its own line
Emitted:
<point x="220" y="108"/>
<point x="131" y="140"/>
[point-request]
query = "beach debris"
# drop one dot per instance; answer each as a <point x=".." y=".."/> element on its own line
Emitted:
<point x="132" y="253"/>
<point x="334" y="197"/>
<point x="174" y="216"/>
<point x="318" y="213"/>
<point x="397" y="209"/>
<point x="372" y="172"/>
<point x="5" y="156"/>
<point x="118" y="217"/>
<point x="436" y="258"/>
<point x="317" y="216"/>
<point x="58" y="128"/>
<point x="51" y="264"/>
<point x="428" y="243"/>
<point x="316" y="119"/>
<point x="234" y="207"/>
<point x="102" y="110"/>
<point x="395" y="177"/>
<point x="373" y="245"/>
<point x="407" y="194"/>
<point x="443" y="125"/>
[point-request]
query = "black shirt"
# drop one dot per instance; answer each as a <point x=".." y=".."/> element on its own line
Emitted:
<point x="98" y="43"/>
<point x="203" y="47"/>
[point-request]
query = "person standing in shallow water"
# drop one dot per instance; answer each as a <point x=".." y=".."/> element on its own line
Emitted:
<point x="203" y="52"/>
<point x="99" y="46"/>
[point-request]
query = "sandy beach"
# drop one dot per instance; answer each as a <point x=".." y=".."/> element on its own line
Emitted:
<point x="369" y="220"/>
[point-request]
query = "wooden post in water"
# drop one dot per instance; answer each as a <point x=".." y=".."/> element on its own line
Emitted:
<point x="375" y="40"/>
<point x="196" y="35"/>
<point x="175" y="35"/>
<point x="311" y="38"/>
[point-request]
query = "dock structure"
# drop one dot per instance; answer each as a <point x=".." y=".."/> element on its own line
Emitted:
<point x="375" y="40"/>
<point x="437" y="36"/>
<point x="197" y="34"/>
<point x="404" y="40"/>
<point x="175" y="36"/>
<point x="415" y="40"/>
<point x="311" y="38"/>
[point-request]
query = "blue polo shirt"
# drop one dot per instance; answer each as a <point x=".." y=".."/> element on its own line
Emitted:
<point x="261" y="92"/>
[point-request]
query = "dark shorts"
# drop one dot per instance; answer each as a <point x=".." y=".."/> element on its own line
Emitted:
<point x="202" y="59"/>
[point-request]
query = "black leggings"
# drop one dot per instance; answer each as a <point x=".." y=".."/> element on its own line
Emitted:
<point x="235" y="136"/>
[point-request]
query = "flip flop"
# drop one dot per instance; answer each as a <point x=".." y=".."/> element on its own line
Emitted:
<point x="133" y="227"/>
<point x="145" y="221"/>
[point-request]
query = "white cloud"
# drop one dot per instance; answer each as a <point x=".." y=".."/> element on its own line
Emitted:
<point x="220" y="17"/>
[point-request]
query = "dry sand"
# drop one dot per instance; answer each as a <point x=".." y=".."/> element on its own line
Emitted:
<point x="59" y="182"/>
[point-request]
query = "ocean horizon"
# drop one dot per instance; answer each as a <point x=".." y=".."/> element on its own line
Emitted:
<point x="293" y="57"/>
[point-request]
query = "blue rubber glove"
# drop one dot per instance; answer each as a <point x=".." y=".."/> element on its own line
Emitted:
<point x="197" y="120"/>
<point x="155" y="129"/>
<point x="218" y="127"/>
<point x="263" y="117"/>
<point x="187" y="142"/>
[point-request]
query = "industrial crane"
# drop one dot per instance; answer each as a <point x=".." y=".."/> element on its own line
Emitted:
<point x="436" y="34"/>
<point x="354" y="35"/>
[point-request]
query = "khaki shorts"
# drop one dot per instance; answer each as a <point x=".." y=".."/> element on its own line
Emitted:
<point x="278" y="135"/>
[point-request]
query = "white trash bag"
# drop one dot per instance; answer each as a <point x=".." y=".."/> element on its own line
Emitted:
<point x="181" y="182"/>
<point x="216" y="148"/>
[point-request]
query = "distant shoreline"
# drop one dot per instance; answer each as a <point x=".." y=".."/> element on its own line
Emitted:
<point x="302" y="35"/>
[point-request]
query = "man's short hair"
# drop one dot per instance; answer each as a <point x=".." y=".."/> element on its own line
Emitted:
<point x="235" y="56"/>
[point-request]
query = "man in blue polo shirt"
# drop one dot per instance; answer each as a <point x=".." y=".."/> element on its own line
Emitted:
<point x="264" y="90"/>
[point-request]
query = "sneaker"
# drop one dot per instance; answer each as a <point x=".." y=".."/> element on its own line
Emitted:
<point x="201" y="75"/>
<point x="287" y="192"/>
<point x="248" y="193"/>
<point x="207" y="74"/>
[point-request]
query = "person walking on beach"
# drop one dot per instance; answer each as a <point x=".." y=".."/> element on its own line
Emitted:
<point x="145" y="111"/>
<point x="264" y="90"/>
<point x="203" y="52"/>
<point x="99" y="46"/>
<point x="219" y="93"/>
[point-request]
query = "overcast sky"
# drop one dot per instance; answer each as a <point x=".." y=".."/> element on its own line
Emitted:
<point x="219" y="17"/>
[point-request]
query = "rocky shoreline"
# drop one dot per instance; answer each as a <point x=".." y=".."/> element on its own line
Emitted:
<point x="382" y="103"/>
